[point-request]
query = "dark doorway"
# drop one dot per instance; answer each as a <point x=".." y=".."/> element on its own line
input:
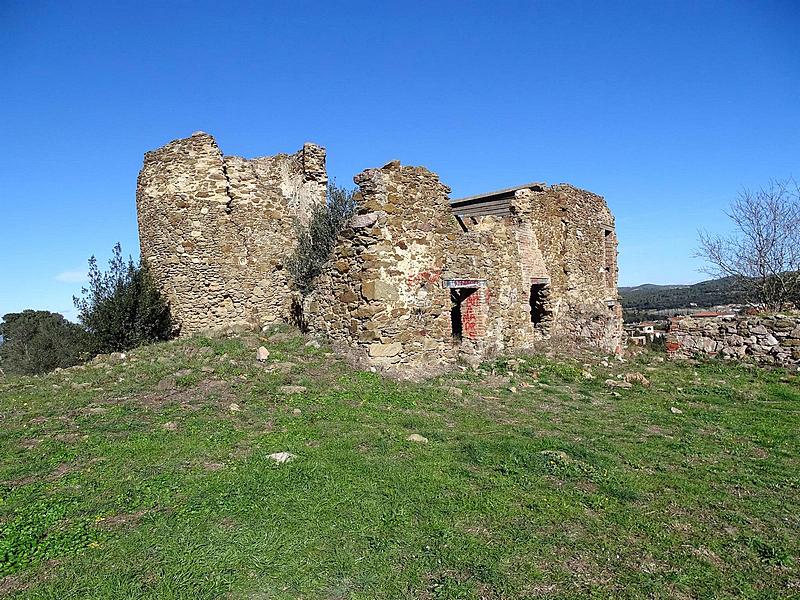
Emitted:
<point x="457" y="296"/>
<point x="538" y="300"/>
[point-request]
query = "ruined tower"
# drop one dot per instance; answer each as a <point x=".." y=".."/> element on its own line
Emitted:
<point x="214" y="230"/>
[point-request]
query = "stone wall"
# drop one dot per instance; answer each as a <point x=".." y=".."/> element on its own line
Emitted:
<point x="769" y="339"/>
<point x="384" y="296"/>
<point x="575" y="233"/>
<point x="409" y="284"/>
<point x="215" y="229"/>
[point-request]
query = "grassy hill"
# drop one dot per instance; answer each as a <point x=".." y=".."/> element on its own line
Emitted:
<point x="151" y="478"/>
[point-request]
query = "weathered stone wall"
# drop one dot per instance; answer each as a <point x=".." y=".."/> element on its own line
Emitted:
<point x="575" y="233"/>
<point x="215" y="229"/>
<point x="769" y="339"/>
<point x="384" y="299"/>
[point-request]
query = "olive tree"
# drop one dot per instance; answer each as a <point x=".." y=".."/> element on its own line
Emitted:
<point x="317" y="239"/>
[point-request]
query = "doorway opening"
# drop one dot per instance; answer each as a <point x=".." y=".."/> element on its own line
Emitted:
<point x="457" y="296"/>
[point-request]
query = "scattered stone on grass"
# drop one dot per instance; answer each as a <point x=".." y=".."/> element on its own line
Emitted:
<point x="637" y="377"/>
<point x="276" y="338"/>
<point x="613" y="383"/>
<point x="675" y="411"/>
<point x="291" y="389"/>
<point x="555" y="455"/>
<point x="170" y="426"/>
<point x="415" y="437"/>
<point x="587" y="374"/>
<point x="262" y="354"/>
<point x="296" y="412"/>
<point x="282" y="457"/>
<point x="233" y="407"/>
<point x="454" y="391"/>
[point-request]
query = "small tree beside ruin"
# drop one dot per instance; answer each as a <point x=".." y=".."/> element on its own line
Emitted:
<point x="122" y="308"/>
<point x="763" y="250"/>
<point x="317" y="239"/>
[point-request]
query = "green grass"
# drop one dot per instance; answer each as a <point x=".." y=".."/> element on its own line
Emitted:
<point x="138" y="480"/>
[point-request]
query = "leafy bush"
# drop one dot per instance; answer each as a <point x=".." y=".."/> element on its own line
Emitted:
<point x="36" y="341"/>
<point x="317" y="239"/>
<point x="122" y="308"/>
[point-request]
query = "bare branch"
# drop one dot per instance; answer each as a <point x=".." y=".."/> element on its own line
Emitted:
<point x="763" y="252"/>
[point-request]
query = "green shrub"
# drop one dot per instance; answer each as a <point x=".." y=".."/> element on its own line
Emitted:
<point x="36" y="341"/>
<point x="317" y="239"/>
<point x="122" y="308"/>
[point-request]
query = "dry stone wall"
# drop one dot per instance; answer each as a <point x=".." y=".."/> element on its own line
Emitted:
<point x="768" y="339"/>
<point x="215" y="229"/>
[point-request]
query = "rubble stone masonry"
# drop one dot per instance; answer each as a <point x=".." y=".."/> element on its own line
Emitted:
<point x="385" y="295"/>
<point x="768" y="339"/>
<point x="216" y="229"/>
<point x="409" y="283"/>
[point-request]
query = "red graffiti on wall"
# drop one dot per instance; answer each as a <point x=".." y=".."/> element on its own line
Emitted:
<point x="423" y="278"/>
<point x="469" y="315"/>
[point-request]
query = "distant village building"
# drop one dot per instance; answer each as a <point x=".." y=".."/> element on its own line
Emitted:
<point x="416" y="280"/>
<point x="643" y="333"/>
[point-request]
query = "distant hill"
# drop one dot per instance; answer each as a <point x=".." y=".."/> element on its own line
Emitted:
<point x="642" y="301"/>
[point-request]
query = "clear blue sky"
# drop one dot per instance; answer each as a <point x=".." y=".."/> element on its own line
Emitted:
<point x="665" y="108"/>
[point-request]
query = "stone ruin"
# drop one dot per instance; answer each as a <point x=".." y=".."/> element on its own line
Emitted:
<point x="416" y="281"/>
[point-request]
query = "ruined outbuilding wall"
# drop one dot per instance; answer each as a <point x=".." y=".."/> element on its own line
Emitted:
<point x="576" y="235"/>
<point x="767" y="339"/>
<point x="215" y="230"/>
<point x="383" y="296"/>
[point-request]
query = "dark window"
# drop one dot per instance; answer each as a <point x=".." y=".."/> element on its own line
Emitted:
<point x="609" y="255"/>
<point x="538" y="300"/>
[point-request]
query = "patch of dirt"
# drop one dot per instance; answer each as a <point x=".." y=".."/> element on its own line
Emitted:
<point x="708" y="556"/>
<point x="61" y="470"/>
<point x="213" y="466"/>
<point x="12" y="584"/>
<point x="544" y="590"/>
<point x="656" y="430"/>
<point x="69" y="438"/>
<point x="188" y="398"/>
<point x="121" y="520"/>
<point x="587" y="571"/>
